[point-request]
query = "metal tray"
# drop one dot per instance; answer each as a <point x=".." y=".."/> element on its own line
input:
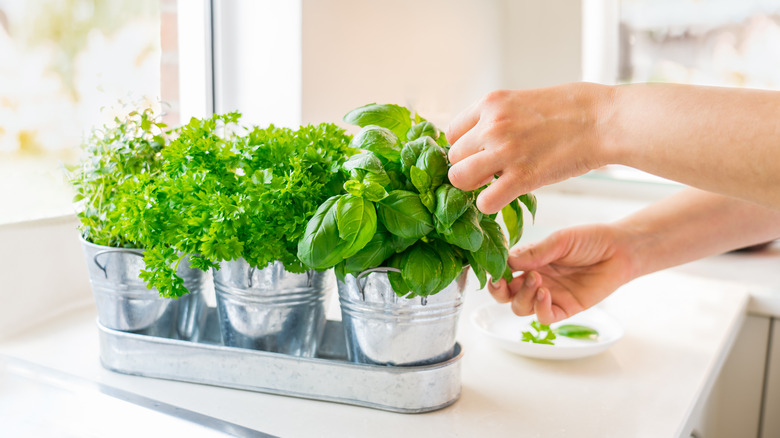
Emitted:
<point x="328" y="377"/>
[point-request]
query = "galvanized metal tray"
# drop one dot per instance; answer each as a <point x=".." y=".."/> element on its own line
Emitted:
<point x="328" y="377"/>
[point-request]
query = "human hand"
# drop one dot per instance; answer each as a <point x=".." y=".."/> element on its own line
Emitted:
<point x="529" y="138"/>
<point x="568" y="272"/>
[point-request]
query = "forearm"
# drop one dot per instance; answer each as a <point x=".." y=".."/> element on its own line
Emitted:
<point x="718" y="139"/>
<point x="694" y="224"/>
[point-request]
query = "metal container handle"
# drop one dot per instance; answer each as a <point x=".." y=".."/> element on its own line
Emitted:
<point x="113" y="250"/>
<point x="250" y="273"/>
<point x="369" y="271"/>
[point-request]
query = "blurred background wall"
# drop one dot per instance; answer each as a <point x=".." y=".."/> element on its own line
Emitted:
<point x="71" y="65"/>
<point x="437" y="56"/>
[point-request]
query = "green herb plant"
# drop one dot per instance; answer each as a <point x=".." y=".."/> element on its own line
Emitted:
<point x="576" y="331"/>
<point x="228" y="192"/>
<point x="539" y="334"/>
<point x="544" y="334"/>
<point x="114" y="159"/>
<point x="398" y="209"/>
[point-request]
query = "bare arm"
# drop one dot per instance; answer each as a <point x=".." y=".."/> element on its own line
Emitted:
<point x="576" y="268"/>
<point x="723" y="140"/>
<point x="693" y="224"/>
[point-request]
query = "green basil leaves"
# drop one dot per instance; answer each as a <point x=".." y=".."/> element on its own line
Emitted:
<point x="451" y="203"/>
<point x="493" y="253"/>
<point x="356" y="221"/>
<point x="319" y="247"/>
<point x="404" y="215"/>
<point x="393" y="117"/>
<point x="399" y="210"/>
<point x="380" y="141"/>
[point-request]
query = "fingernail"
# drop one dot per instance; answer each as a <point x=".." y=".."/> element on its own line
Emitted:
<point x="531" y="279"/>
<point x="540" y="295"/>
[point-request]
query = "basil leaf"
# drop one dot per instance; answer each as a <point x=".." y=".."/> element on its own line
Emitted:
<point x="433" y="160"/>
<point x="356" y="221"/>
<point x="421" y="269"/>
<point x="429" y="200"/>
<point x="576" y="331"/>
<point x="478" y="269"/>
<point x="353" y="187"/>
<point x="508" y="274"/>
<point x="466" y="232"/>
<point x="399" y="244"/>
<point x="374" y="192"/>
<point x="451" y="203"/>
<point x="493" y="253"/>
<point x="513" y="219"/>
<point x="368" y="185"/>
<point x="367" y="161"/>
<point x="411" y="152"/>
<point x="380" y="178"/>
<point x="396" y="280"/>
<point x="422" y="129"/>
<point x="393" y="117"/>
<point x="451" y="266"/>
<point x="442" y="141"/>
<point x="529" y="200"/>
<point x="321" y="247"/>
<point x="376" y="251"/>
<point x="396" y="177"/>
<point x="378" y="140"/>
<point x="366" y="168"/>
<point x="340" y="270"/>
<point x="420" y="179"/>
<point x="404" y="215"/>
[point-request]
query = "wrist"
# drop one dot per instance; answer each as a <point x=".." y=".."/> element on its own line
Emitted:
<point x="609" y="144"/>
<point x="642" y="246"/>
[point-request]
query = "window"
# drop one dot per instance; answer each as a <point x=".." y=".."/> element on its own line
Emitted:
<point x="716" y="42"/>
<point x="713" y="42"/>
<point x="67" y="66"/>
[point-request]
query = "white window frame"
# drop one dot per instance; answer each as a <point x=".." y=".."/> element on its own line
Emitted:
<point x="243" y="55"/>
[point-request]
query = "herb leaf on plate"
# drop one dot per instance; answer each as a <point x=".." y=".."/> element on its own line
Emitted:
<point x="576" y="331"/>
<point x="539" y="334"/>
<point x="544" y="334"/>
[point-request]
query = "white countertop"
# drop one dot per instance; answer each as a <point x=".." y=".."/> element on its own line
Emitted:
<point x="679" y="326"/>
<point x="678" y="331"/>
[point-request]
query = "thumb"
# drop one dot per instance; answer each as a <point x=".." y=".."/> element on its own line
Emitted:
<point x="538" y="254"/>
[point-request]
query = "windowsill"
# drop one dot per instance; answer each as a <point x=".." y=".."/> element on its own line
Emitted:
<point x="36" y="189"/>
<point x="618" y="184"/>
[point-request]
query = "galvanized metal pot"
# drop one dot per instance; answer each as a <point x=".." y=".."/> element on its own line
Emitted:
<point x="125" y="303"/>
<point x="384" y="329"/>
<point x="271" y="309"/>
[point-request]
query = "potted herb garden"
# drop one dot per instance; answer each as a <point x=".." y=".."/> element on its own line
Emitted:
<point x="118" y="162"/>
<point x="400" y="238"/>
<point x="236" y="201"/>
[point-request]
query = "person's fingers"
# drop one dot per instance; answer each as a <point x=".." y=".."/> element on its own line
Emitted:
<point x="500" y="291"/>
<point x="546" y="311"/>
<point x="473" y="171"/>
<point x="539" y="254"/>
<point x="499" y="193"/>
<point x="468" y="144"/>
<point x="524" y="293"/>
<point x="462" y="123"/>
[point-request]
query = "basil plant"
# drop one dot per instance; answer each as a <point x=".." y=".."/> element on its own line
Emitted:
<point x="398" y="209"/>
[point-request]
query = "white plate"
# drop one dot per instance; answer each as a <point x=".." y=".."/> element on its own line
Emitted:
<point x="504" y="329"/>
